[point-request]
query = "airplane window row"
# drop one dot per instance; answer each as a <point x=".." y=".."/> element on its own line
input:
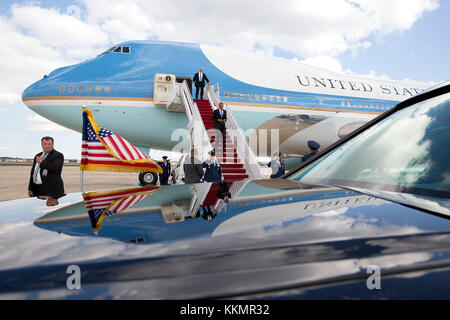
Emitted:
<point x="265" y="97"/>
<point x="80" y="89"/>
<point x="365" y="105"/>
<point x="255" y="96"/>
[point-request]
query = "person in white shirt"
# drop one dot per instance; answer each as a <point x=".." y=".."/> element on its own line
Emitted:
<point x="45" y="176"/>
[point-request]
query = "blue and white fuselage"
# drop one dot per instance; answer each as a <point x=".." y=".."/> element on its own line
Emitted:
<point x="302" y="101"/>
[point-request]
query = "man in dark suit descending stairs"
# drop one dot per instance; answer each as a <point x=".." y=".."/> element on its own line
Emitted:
<point x="219" y="117"/>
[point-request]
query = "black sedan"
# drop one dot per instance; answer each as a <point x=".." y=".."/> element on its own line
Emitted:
<point x="366" y="218"/>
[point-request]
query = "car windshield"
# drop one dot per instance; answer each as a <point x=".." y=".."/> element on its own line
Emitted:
<point x="403" y="158"/>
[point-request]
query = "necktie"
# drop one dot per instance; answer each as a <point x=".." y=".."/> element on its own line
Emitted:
<point x="200" y="76"/>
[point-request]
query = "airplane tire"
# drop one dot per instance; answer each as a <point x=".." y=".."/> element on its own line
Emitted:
<point x="148" y="178"/>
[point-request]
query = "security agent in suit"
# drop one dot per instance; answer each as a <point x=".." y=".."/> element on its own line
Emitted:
<point x="193" y="170"/>
<point x="313" y="149"/>
<point x="213" y="170"/>
<point x="45" y="176"/>
<point x="164" y="176"/>
<point x="199" y="81"/>
<point x="219" y="117"/>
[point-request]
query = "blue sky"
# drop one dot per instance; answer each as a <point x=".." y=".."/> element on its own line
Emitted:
<point x="419" y="53"/>
<point x="408" y="40"/>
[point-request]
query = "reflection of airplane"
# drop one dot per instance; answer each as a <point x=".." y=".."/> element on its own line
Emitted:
<point x="164" y="216"/>
<point x="119" y="86"/>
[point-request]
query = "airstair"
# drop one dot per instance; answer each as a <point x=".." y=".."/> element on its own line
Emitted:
<point x="239" y="164"/>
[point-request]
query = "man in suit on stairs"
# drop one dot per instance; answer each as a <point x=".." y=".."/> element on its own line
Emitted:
<point x="220" y="118"/>
<point x="199" y="81"/>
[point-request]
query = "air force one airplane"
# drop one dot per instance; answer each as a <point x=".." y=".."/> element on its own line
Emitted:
<point x="126" y="88"/>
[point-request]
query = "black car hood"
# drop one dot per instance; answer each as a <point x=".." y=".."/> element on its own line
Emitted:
<point x="275" y="234"/>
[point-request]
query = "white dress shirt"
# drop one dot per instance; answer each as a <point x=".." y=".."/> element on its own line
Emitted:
<point x="37" y="174"/>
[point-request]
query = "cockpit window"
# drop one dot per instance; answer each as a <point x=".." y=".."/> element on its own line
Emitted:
<point x="405" y="158"/>
<point x="109" y="50"/>
<point x="118" y="50"/>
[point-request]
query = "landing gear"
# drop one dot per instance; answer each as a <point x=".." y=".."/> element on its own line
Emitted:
<point x="148" y="178"/>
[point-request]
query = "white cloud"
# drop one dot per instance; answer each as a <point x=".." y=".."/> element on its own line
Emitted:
<point x="40" y="124"/>
<point x="325" y="62"/>
<point x="333" y="64"/>
<point x="25" y="59"/>
<point x="58" y="29"/>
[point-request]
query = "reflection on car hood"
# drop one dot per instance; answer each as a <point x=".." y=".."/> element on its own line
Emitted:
<point x="279" y="224"/>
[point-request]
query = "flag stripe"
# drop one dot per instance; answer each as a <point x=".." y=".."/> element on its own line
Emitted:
<point x="121" y="193"/>
<point x="120" y="163"/>
<point x="116" y="148"/>
<point x="123" y="144"/>
<point x="133" y="152"/>
<point x="95" y="154"/>
<point x="123" y="204"/>
<point x="100" y="156"/>
<point x="103" y="199"/>
<point x="139" y="152"/>
<point x="135" y="200"/>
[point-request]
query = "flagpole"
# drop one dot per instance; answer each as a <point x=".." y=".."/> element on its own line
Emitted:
<point x="82" y="171"/>
<point x="81" y="180"/>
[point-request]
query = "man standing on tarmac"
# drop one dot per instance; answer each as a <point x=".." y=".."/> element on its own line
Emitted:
<point x="45" y="177"/>
<point x="164" y="176"/>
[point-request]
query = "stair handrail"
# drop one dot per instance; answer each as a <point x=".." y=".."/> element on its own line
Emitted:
<point x="217" y="90"/>
<point x="201" y="191"/>
<point x="187" y="101"/>
<point x="213" y="95"/>
<point x="243" y="149"/>
<point x="235" y="189"/>
<point x="173" y="94"/>
<point x="195" y="119"/>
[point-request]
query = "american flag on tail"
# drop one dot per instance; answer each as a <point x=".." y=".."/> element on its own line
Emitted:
<point x="103" y="204"/>
<point x="103" y="150"/>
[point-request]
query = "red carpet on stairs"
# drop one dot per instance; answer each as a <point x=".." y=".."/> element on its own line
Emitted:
<point x="232" y="167"/>
<point x="211" y="197"/>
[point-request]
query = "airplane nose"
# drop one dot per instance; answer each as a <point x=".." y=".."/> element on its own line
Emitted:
<point x="43" y="97"/>
<point x="32" y="92"/>
<point x="43" y="88"/>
